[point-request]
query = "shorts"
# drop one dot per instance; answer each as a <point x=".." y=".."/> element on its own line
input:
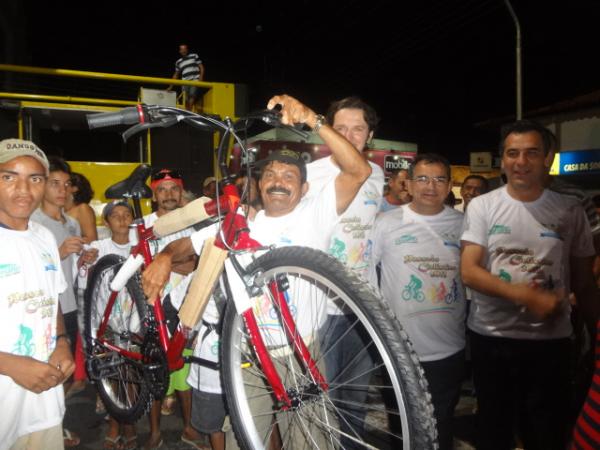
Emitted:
<point x="191" y="91"/>
<point x="178" y="379"/>
<point x="208" y="411"/>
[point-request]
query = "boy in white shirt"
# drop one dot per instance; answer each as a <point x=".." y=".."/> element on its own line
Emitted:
<point x="35" y="358"/>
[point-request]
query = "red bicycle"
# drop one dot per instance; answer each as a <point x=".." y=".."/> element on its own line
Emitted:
<point x="272" y="341"/>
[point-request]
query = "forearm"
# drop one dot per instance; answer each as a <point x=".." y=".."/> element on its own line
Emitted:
<point x="179" y="251"/>
<point x="480" y="280"/>
<point x="7" y="360"/>
<point x="350" y="161"/>
<point x="60" y="322"/>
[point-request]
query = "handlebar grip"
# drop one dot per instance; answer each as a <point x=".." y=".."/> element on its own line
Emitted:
<point x="126" y="116"/>
<point x="181" y="218"/>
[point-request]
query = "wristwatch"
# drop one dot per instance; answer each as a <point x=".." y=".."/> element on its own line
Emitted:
<point x="319" y="122"/>
<point x="65" y="337"/>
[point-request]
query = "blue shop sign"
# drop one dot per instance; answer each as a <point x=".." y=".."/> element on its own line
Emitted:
<point x="582" y="162"/>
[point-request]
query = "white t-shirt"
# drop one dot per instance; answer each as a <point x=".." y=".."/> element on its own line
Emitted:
<point x="525" y="242"/>
<point x="420" y="277"/>
<point x="61" y="231"/>
<point x="349" y="240"/>
<point x="178" y="283"/>
<point x="310" y="224"/>
<point x="105" y="247"/>
<point x="31" y="280"/>
<point x="204" y="378"/>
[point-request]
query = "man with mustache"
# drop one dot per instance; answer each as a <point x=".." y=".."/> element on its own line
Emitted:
<point x="287" y="217"/>
<point x="167" y="192"/>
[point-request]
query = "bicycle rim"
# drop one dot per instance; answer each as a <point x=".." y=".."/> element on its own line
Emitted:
<point x="120" y="380"/>
<point x="376" y="395"/>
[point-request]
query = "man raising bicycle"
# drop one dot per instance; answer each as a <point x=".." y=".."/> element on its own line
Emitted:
<point x="288" y="217"/>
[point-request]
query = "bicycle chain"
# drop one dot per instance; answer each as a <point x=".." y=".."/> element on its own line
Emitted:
<point x="156" y="369"/>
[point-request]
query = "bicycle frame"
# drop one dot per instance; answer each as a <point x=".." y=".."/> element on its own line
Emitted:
<point x="237" y="237"/>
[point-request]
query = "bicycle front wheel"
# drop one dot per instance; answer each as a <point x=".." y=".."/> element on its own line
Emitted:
<point x="120" y="380"/>
<point x="375" y="395"/>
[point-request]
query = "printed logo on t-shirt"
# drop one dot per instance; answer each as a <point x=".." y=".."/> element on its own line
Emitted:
<point x="49" y="263"/>
<point x="499" y="229"/>
<point x="24" y="345"/>
<point x="6" y="270"/>
<point x="338" y="250"/>
<point x="551" y="234"/>
<point x="552" y="231"/>
<point x="450" y="240"/>
<point x="354" y="227"/>
<point x="406" y="239"/>
<point x="371" y="198"/>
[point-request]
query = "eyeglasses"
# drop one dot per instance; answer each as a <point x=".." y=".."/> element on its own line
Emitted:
<point x="167" y="173"/>
<point x="424" y="179"/>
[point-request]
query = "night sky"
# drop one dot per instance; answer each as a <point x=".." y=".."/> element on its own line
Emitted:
<point x="432" y="68"/>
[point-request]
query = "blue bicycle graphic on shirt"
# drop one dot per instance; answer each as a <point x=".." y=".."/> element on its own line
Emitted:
<point x="452" y="296"/>
<point x="413" y="291"/>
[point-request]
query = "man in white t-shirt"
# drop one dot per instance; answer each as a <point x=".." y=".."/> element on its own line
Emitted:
<point x="524" y="249"/>
<point x="356" y="121"/>
<point x="288" y="216"/>
<point x="398" y="194"/>
<point x="417" y="246"/>
<point x="167" y="191"/>
<point x="35" y="356"/>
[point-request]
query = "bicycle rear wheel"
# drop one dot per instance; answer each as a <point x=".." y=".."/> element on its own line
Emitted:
<point x="120" y="380"/>
<point x="377" y="399"/>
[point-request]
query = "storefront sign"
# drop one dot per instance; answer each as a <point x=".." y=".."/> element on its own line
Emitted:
<point x="576" y="163"/>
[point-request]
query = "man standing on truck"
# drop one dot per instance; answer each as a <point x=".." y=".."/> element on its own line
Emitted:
<point x="189" y="67"/>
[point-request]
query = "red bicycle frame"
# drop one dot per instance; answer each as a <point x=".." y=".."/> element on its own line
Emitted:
<point x="237" y="237"/>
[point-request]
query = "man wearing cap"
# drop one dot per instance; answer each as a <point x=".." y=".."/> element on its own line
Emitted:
<point x="209" y="187"/>
<point x="167" y="192"/>
<point x="288" y="217"/>
<point x="35" y="358"/>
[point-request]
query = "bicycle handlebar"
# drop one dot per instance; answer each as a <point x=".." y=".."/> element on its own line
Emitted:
<point x="126" y="116"/>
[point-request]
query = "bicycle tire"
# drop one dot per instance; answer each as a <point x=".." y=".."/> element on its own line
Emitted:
<point x="120" y="381"/>
<point x="243" y="382"/>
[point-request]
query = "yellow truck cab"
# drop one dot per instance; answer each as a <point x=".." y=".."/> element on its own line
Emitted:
<point x="57" y="123"/>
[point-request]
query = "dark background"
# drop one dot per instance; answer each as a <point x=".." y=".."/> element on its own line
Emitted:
<point x="433" y="69"/>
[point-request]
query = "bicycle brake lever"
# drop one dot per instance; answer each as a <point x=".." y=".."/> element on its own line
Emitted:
<point x="163" y="123"/>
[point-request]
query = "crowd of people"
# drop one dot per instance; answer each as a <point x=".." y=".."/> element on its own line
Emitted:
<point x="495" y="286"/>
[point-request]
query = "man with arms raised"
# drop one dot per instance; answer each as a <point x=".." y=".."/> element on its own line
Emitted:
<point x="524" y="248"/>
<point x="356" y="121"/>
<point x="288" y="217"/>
<point x="35" y="358"/>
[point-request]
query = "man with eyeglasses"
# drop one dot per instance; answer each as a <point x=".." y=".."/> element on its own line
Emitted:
<point x="418" y="246"/>
<point x="167" y="193"/>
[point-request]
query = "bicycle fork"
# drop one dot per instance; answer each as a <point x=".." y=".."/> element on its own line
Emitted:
<point x="243" y="290"/>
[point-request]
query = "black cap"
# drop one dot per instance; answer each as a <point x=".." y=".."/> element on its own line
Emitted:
<point x="288" y="157"/>
<point x="109" y="207"/>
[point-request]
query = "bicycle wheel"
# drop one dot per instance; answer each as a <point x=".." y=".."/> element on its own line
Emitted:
<point x="120" y="381"/>
<point x="384" y="404"/>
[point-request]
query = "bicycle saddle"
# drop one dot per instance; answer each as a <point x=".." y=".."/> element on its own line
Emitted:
<point x="134" y="186"/>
